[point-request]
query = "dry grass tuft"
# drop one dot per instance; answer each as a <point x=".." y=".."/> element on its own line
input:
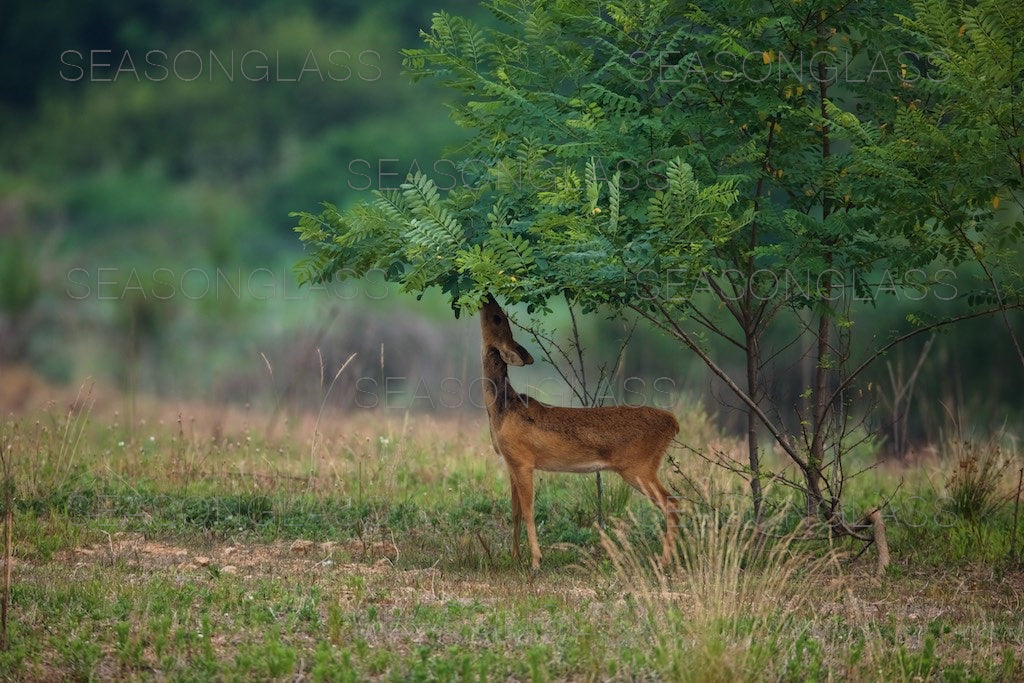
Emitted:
<point x="977" y="486"/>
<point x="730" y="583"/>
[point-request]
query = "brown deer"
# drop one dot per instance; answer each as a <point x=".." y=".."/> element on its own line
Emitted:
<point x="531" y="435"/>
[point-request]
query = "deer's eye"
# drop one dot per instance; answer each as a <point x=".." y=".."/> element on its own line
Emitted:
<point x="497" y="319"/>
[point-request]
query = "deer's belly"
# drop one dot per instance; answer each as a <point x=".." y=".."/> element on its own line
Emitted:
<point x="576" y="466"/>
<point x="550" y="450"/>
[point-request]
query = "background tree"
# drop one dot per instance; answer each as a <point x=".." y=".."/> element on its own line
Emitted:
<point x="955" y="150"/>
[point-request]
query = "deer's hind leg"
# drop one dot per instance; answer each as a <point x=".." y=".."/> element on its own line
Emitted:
<point x="646" y="482"/>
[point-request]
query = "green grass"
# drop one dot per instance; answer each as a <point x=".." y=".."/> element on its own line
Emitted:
<point x="176" y="558"/>
<point x="347" y="623"/>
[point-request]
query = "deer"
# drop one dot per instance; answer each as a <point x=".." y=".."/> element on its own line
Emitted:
<point x="530" y="435"/>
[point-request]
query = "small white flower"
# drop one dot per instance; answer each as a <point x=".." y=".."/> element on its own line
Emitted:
<point x="121" y="444"/>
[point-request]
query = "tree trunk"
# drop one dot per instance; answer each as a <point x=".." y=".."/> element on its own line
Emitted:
<point x="752" y="452"/>
<point x="817" y="455"/>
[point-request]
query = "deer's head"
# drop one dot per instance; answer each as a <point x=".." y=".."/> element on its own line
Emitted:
<point x="497" y="335"/>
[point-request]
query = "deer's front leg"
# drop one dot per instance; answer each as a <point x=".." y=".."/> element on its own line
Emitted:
<point x="517" y="514"/>
<point x="522" y="475"/>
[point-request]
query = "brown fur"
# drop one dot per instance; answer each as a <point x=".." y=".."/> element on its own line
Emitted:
<point x="530" y="435"/>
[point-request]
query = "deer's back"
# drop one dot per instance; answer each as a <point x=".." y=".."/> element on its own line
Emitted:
<point x="585" y="439"/>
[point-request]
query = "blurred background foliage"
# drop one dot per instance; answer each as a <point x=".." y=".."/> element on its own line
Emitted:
<point x="144" y="221"/>
<point x="144" y="212"/>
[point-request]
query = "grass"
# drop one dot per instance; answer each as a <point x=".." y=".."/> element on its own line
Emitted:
<point x="362" y="547"/>
<point x="976" y="485"/>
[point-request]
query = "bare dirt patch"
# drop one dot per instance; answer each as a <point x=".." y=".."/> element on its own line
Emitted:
<point x="134" y="551"/>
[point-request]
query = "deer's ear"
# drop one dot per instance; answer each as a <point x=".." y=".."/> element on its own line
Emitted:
<point x="524" y="355"/>
<point x="489" y="299"/>
<point x="517" y="356"/>
<point x="511" y="357"/>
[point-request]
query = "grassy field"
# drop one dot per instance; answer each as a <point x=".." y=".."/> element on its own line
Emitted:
<point x="190" y="543"/>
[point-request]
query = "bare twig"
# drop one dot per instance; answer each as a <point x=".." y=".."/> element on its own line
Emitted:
<point x="487" y="550"/>
<point x="862" y="550"/>
<point x="8" y="487"/>
<point x="880" y="351"/>
<point x="548" y="346"/>
<point x="579" y="349"/>
<point x="672" y="327"/>
<point x="323" y="404"/>
<point x="289" y="388"/>
<point x="995" y="289"/>
<point x="605" y="379"/>
<point x="1016" y="512"/>
<point x="902" y="394"/>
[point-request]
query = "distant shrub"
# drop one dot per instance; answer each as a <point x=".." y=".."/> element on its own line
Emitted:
<point x="975" y="486"/>
<point x="19" y="278"/>
<point x="20" y="287"/>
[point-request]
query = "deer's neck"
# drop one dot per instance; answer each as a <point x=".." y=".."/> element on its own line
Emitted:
<point x="498" y="392"/>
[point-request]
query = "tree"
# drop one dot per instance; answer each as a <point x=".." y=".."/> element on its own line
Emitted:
<point x="955" y="150"/>
<point x="695" y="165"/>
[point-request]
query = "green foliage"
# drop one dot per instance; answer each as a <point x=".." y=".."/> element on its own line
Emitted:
<point x="81" y="654"/>
<point x="112" y="149"/>
<point x="624" y="142"/>
<point x="21" y="286"/>
<point x="953" y="153"/>
<point x="623" y="166"/>
<point x="269" y="660"/>
<point x="20" y="278"/>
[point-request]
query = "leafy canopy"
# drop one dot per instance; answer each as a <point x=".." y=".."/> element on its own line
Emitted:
<point x="644" y="150"/>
